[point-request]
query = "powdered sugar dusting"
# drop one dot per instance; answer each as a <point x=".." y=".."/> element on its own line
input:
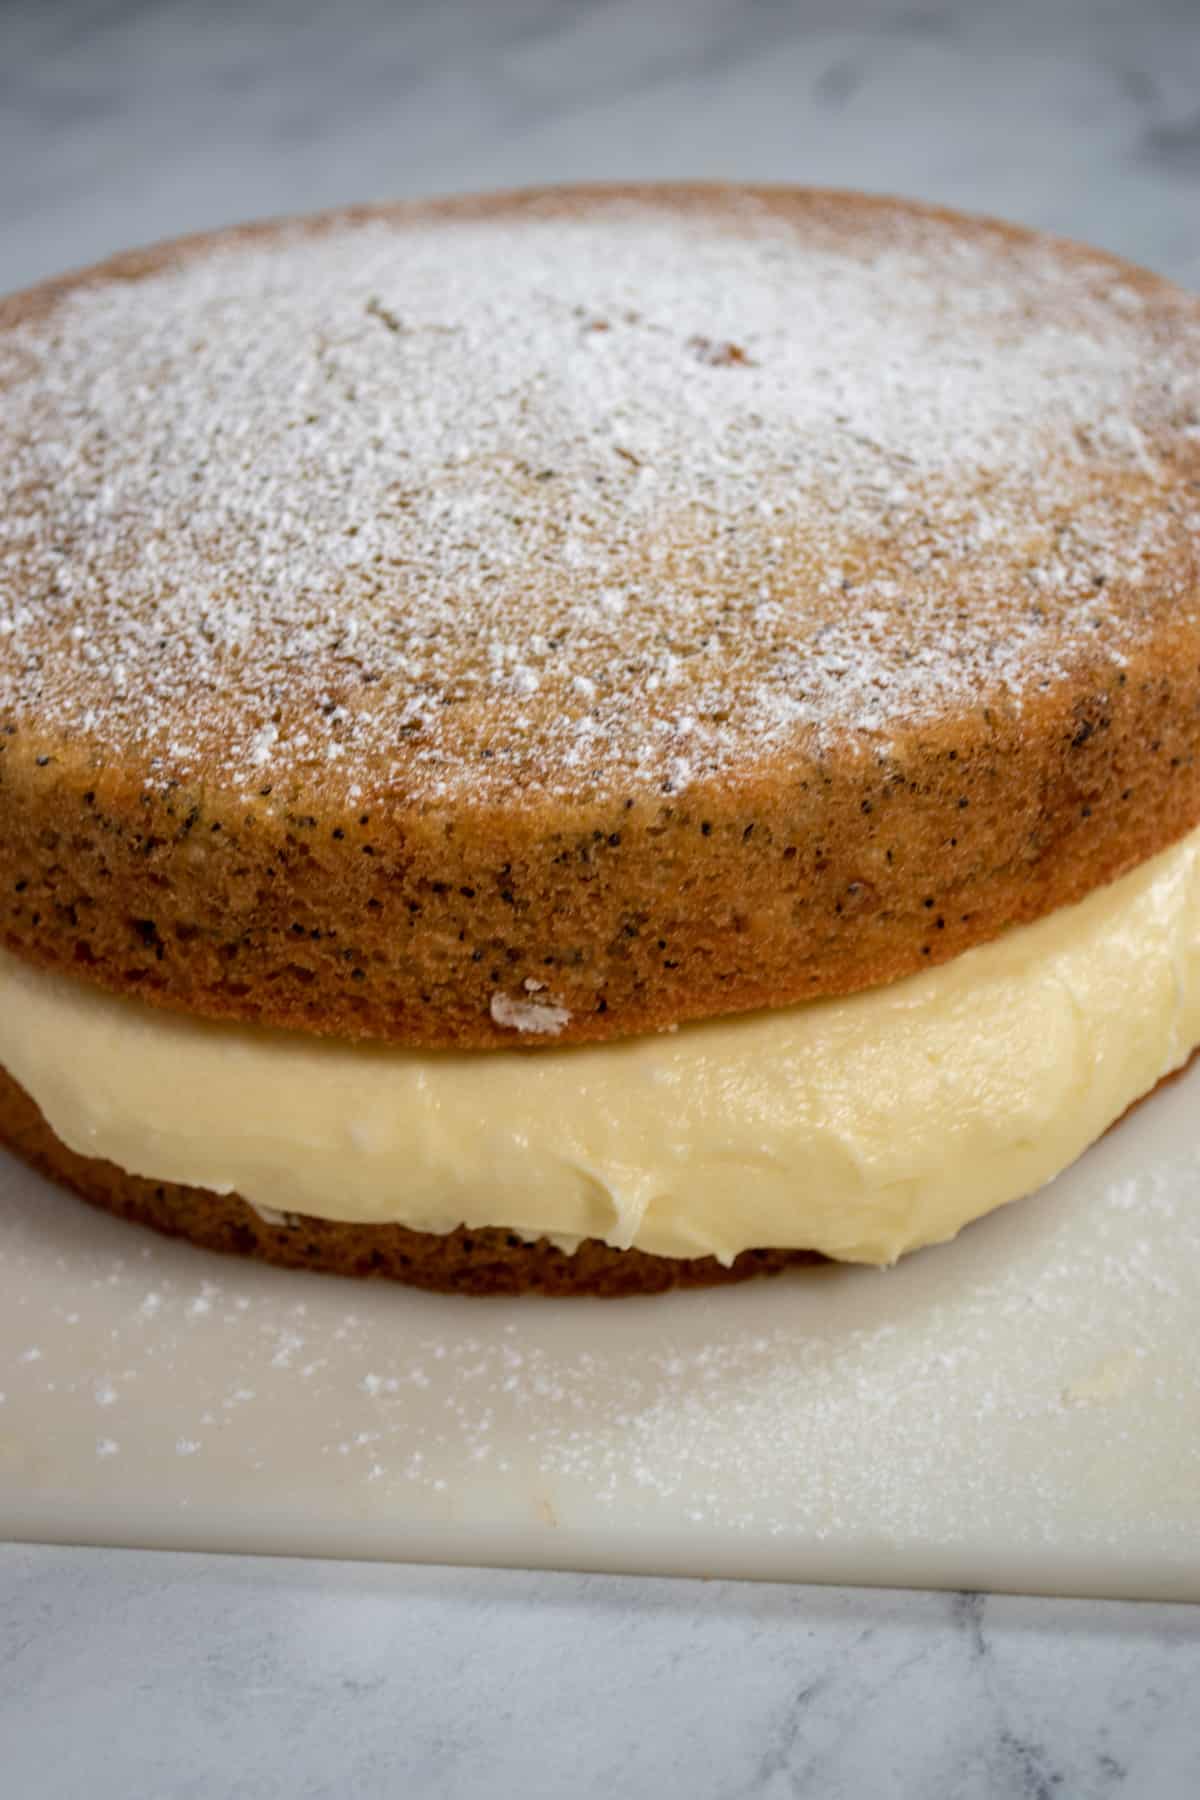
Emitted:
<point x="546" y="502"/>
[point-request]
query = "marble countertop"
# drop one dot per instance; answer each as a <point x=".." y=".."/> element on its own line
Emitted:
<point x="123" y="121"/>
<point x="124" y="1674"/>
<point x="128" y="1674"/>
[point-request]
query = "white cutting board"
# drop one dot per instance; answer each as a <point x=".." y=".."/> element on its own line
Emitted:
<point x="1018" y="1410"/>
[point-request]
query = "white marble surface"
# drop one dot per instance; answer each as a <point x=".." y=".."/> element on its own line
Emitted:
<point x="121" y="122"/>
<point x="133" y="1675"/>
<point x="123" y="1675"/>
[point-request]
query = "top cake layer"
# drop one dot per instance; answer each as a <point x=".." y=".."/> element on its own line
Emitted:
<point x="570" y="612"/>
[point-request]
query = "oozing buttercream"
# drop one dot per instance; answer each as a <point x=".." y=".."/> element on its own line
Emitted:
<point x="861" y="1127"/>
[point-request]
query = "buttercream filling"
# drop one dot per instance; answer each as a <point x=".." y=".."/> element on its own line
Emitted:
<point x="861" y="1127"/>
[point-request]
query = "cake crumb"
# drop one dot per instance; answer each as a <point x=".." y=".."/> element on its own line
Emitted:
<point x="527" y="1015"/>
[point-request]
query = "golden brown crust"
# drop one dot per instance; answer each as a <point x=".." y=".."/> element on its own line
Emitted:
<point x="822" y="865"/>
<point x="484" y="1262"/>
<point x="856" y="876"/>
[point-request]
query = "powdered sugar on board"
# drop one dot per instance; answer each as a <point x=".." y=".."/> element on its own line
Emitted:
<point x="554" y="500"/>
<point x="1018" y="1409"/>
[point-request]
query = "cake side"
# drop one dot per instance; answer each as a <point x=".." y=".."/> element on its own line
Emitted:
<point x="432" y="930"/>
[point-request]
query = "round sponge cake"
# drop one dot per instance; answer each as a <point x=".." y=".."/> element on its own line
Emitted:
<point x="555" y="616"/>
<point x="543" y="618"/>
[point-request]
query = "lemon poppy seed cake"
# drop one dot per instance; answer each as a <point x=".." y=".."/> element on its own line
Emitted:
<point x="591" y="740"/>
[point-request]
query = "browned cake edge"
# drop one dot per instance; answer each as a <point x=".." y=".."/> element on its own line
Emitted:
<point x="822" y="878"/>
<point x="487" y="1261"/>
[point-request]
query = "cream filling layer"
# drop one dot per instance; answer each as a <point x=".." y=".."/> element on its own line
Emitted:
<point x="861" y="1127"/>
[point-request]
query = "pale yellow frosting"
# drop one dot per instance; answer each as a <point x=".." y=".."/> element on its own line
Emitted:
<point x="861" y="1127"/>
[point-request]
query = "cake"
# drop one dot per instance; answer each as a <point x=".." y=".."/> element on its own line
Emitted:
<point x="596" y="739"/>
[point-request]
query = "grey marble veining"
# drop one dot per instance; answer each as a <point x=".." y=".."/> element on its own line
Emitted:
<point x="122" y="122"/>
<point x="125" y="1675"/>
<point x="128" y="1675"/>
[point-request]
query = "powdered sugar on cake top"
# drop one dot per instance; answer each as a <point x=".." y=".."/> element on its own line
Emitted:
<point x="562" y="502"/>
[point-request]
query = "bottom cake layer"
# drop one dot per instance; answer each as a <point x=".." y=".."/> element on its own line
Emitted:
<point x="487" y="1261"/>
